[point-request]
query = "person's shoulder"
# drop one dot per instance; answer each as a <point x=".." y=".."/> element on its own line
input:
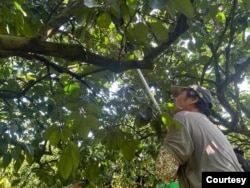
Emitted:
<point x="187" y="114"/>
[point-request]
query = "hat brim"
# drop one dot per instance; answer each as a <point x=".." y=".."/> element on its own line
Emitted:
<point x="176" y="90"/>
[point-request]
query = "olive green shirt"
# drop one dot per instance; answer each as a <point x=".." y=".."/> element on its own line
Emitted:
<point x="199" y="146"/>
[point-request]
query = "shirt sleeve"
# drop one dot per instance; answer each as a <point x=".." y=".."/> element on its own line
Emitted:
<point x="166" y="165"/>
<point x="178" y="140"/>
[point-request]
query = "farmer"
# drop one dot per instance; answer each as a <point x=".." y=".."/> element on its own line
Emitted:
<point x="196" y="145"/>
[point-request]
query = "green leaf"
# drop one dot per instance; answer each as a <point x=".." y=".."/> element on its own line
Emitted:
<point x="138" y="33"/>
<point x="16" y="152"/>
<point x="3" y="146"/>
<point x="65" y="2"/>
<point x="7" y="159"/>
<point x="160" y="30"/>
<point x="66" y="134"/>
<point x="18" y="163"/>
<point x="13" y="85"/>
<point x="55" y="137"/>
<point x="19" y="7"/>
<point x="184" y="6"/>
<point x="220" y="17"/>
<point x="50" y="130"/>
<point x="92" y="122"/>
<point x="94" y="171"/>
<point x="82" y="130"/>
<point x="65" y="165"/>
<point x="247" y="3"/>
<point x="112" y="141"/>
<point x="128" y="151"/>
<point x="72" y="89"/>
<point x="93" y="109"/>
<point x="75" y="155"/>
<point x="103" y="20"/>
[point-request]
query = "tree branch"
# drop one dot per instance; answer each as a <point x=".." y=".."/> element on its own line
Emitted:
<point x="20" y="46"/>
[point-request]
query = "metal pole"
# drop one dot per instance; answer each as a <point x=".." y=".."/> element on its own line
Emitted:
<point x="147" y="89"/>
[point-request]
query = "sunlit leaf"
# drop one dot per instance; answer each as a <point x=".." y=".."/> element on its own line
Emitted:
<point x="65" y="1"/>
<point x="220" y="17"/>
<point x="103" y="20"/>
<point x="72" y="88"/>
<point x="19" y="7"/>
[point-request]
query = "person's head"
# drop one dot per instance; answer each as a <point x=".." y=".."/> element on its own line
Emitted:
<point x="193" y="98"/>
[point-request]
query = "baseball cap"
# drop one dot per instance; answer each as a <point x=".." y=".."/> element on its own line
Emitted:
<point x="202" y="92"/>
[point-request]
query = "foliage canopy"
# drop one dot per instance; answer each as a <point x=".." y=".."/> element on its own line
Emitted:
<point x="72" y="106"/>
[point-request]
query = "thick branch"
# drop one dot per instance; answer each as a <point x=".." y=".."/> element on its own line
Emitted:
<point x="72" y="52"/>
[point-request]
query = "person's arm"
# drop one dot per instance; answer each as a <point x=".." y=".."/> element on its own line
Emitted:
<point x="166" y="166"/>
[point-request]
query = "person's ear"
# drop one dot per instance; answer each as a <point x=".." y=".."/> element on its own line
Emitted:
<point x="194" y="100"/>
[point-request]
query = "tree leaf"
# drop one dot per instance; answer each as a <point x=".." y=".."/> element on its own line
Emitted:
<point x="66" y="134"/>
<point x="93" y="109"/>
<point x="75" y="155"/>
<point x="50" y="130"/>
<point x="128" y="151"/>
<point x="65" y="165"/>
<point x="82" y="129"/>
<point x="19" y="7"/>
<point x="184" y="6"/>
<point x="3" y="146"/>
<point x="138" y="33"/>
<point x="160" y="30"/>
<point x="7" y="159"/>
<point x="55" y="137"/>
<point x="103" y="20"/>
<point x="92" y="122"/>
<point x="72" y="89"/>
<point x="16" y="152"/>
<point x="220" y="17"/>
<point x="247" y="3"/>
